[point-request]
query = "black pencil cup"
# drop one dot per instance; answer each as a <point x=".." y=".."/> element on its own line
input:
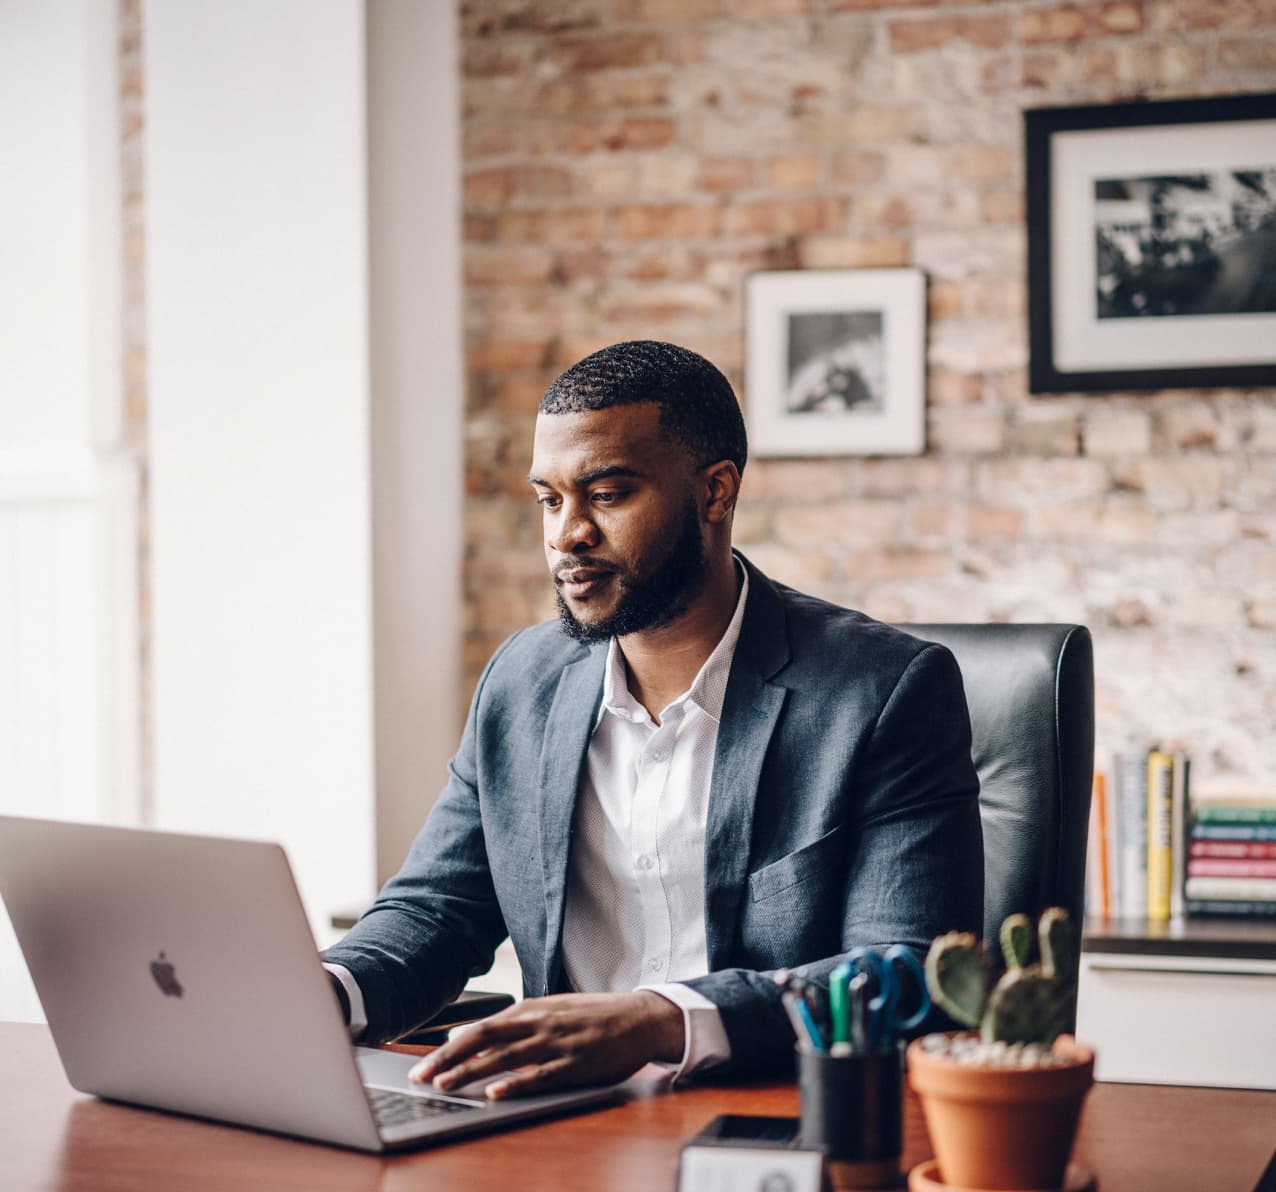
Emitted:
<point x="851" y="1110"/>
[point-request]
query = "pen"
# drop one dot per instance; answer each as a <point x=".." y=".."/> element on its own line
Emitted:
<point x="799" y="1012"/>
<point x="857" y="996"/>
<point x="839" y="1006"/>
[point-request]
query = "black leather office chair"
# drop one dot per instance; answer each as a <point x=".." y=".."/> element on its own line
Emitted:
<point x="1030" y="689"/>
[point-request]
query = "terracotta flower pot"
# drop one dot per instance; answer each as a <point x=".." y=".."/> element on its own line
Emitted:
<point x="1002" y="1128"/>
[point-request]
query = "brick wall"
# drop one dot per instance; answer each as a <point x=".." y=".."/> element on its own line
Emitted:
<point x="629" y="162"/>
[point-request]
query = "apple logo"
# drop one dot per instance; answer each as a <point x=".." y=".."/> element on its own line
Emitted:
<point x="166" y="977"/>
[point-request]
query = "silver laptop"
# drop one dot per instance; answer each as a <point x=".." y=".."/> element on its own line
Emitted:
<point x="179" y="972"/>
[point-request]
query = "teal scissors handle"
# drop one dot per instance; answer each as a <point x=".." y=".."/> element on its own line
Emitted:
<point x="883" y="1006"/>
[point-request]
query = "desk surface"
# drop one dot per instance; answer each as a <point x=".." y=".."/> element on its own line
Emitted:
<point x="1135" y="1137"/>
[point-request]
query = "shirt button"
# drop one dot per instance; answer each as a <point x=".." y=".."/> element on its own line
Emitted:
<point x="658" y="755"/>
<point x="645" y="861"/>
<point x="653" y="965"/>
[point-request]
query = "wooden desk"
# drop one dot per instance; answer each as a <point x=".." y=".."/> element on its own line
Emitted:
<point x="1137" y="1138"/>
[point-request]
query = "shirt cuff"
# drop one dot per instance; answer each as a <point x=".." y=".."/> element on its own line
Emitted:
<point x="358" y="1013"/>
<point x="707" y="1044"/>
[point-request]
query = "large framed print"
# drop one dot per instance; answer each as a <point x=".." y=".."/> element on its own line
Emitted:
<point x="836" y="362"/>
<point x="1152" y="244"/>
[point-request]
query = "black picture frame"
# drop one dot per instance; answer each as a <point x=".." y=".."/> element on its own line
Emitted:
<point x="1086" y="329"/>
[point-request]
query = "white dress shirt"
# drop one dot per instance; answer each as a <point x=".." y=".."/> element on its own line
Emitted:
<point x="635" y="908"/>
<point x="634" y="915"/>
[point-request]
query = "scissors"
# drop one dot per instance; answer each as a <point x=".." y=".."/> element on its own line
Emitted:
<point x="886" y="970"/>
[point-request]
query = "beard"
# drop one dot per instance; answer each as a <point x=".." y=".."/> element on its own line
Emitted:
<point x="651" y="600"/>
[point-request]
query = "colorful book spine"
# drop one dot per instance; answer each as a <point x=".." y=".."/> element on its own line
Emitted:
<point x="1232" y="907"/>
<point x="1236" y="813"/>
<point x="1239" y="849"/>
<point x="1264" y="832"/>
<point x="1132" y="811"/>
<point x="1258" y="889"/>
<point x="1160" y="866"/>
<point x="1104" y="849"/>
<point x="1180" y="825"/>
<point x="1227" y="867"/>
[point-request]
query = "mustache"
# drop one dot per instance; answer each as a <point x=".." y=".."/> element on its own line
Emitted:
<point x="565" y="570"/>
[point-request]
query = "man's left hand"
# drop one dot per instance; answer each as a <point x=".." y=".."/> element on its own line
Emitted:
<point x="559" y="1042"/>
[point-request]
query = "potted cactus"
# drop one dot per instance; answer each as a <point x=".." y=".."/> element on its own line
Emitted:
<point x="1002" y="1100"/>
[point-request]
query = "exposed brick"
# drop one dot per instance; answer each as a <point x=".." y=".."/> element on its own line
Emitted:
<point x="1113" y="431"/>
<point x="511" y="267"/>
<point x="1002" y="206"/>
<point x="858" y="167"/>
<point x="877" y="5"/>
<point x="843" y="521"/>
<point x="628" y="132"/>
<point x="726" y="173"/>
<point x="917" y="165"/>
<point x="900" y="564"/>
<point x="887" y="129"/>
<point x="552" y="225"/>
<point x="746" y="10"/>
<point x="1071" y="22"/>
<point x="785" y="217"/>
<point x="1256" y="53"/>
<point x="947" y="387"/>
<point x="665" y="221"/>
<point x="843" y="252"/>
<point x="933" y="33"/>
<point x="660" y="304"/>
<point x="1095" y="521"/>
<point x="494" y="58"/>
<point x="668" y="174"/>
<point x="804" y="480"/>
<point x="488" y="187"/>
<point x="803" y="569"/>
<point x="494" y="355"/>
<point x="986" y="163"/>
<point x="616" y="51"/>
<point x="865" y="122"/>
<point x="794" y="171"/>
<point x="663" y="12"/>
<point x="971" y="430"/>
<point x="1045" y="430"/>
<point x="591" y="93"/>
<point x="908" y="476"/>
<point x="609" y="177"/>
<point x="1174" y="17"/>
<point x="1187" y="428"/>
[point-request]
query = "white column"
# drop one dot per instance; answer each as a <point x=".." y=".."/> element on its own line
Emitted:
<point x="417" y="397"/>
<point x="259" y="431"/>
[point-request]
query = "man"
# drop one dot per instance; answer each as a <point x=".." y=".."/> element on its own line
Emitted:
<point x="695" y="778"/>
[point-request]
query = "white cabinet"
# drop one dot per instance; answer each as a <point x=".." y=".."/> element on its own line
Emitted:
<point x="1192" y="1004"/>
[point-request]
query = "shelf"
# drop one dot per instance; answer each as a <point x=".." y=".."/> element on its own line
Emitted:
<point x="1232" y="939"/>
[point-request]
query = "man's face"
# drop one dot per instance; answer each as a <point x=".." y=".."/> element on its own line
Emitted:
<point x="622" y="526"/>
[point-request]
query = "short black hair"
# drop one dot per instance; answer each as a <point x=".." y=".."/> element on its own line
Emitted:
<point x="698" y="409"/>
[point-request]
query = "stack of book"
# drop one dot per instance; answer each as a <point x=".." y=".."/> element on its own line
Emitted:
<point x="1138" y="836"/>
<point x="1231" y="866"/>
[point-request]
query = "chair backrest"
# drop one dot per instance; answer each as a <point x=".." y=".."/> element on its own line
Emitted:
<point x="1030" y="689"/>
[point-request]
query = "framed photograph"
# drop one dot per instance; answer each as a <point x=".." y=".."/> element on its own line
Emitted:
<point x="836" y="362"/>
<point x="1152" y="244"/>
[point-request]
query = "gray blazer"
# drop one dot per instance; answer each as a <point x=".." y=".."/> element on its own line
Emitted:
<point x="843" y="811"/>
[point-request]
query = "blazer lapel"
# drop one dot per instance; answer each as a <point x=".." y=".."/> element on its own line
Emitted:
<point x="567" y="731"/>
<point x="750" y="713"/>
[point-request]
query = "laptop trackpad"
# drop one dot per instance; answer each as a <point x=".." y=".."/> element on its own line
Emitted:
<point x="389" y="1070"/>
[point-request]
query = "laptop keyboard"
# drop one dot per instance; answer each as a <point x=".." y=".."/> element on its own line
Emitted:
<point x="397" y="1109"/>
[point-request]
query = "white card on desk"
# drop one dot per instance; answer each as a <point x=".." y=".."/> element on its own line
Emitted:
<point x="738" y="1168"/>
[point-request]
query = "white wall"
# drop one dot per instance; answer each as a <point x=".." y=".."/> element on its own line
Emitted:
<point x="259" y="431"/>
<point x="68" y="532"/>
<point x="417" y="395"/>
